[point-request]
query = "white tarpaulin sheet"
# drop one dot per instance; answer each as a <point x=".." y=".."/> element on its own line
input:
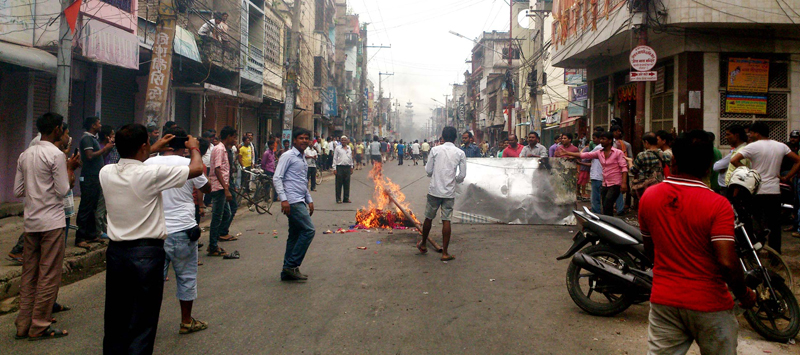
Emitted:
<point x="517" y="191"/>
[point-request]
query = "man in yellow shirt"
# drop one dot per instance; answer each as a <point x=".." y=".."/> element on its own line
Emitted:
<point x="246" y="162"/>
<point x="359" y="149"/>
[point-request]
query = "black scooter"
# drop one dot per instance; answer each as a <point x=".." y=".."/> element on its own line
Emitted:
<point x="611" y="274"/>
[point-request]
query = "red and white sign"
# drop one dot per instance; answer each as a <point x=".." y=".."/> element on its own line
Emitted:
<point x="643" y="58"/>
<point x="644" y="76"/>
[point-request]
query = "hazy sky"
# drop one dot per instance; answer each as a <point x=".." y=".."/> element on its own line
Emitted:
<point x="425" y="58"/>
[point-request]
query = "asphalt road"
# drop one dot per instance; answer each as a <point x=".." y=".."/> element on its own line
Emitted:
<point x="504" y="294"/>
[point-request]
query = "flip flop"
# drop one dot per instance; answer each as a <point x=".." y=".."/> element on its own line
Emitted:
<point x="419" y="247"/>
<point x="234" y="255"/>
<point x="448" y="258"/>
<point x="57" y="307"/>
<point x="49" y="333"/>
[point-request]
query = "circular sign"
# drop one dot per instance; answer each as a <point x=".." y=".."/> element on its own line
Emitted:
<point x="643" y="58"/>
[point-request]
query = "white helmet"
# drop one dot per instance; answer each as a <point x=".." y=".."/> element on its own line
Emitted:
<point x="746" y="178"/>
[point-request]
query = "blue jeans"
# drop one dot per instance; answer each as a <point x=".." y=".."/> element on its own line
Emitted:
<point x="232" y="205"/>
<point x="301" y="233"/>
<point x="597" y="206"/>
<point x="620" y="204"/>
<point x="221" y="218"/>
<point x="183" y="254"/>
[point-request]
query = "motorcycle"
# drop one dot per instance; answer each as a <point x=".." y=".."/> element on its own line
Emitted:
<point x="609" y="262"/>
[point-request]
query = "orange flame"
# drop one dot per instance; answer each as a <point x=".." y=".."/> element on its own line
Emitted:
<point x="379" y="213"/>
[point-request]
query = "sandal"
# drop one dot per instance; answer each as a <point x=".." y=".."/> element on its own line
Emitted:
<point x="218" y="252"/>
<point x="422" y="250"/>
<point x="227" y="238"/>
<point x="194" y="326"/>
<point x="234" y="255"/>
<point x="57" y="307"/>
<point x="49" y="333"/>
<point x="16" y="258"/>
<point x="20" y="337"/>
<point x="448" y="258"/>
<point x="83" y="245"/>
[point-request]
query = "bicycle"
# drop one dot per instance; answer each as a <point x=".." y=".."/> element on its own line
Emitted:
<point x="258" y="199"/>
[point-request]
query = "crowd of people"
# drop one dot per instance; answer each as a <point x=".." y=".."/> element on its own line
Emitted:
<point x="163" y="180"/>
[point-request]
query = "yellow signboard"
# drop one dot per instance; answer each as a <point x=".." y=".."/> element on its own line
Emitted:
<point x="748" y="75"/>
<point x="754" y="104"/>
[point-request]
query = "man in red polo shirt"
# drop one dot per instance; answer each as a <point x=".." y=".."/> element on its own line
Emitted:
<point x="688" y="231"/>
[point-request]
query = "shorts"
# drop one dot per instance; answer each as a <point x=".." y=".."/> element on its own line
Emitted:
<point x="182" y="253"/>
<point x="358" y="158"/>
<point x="416" y="156"/>
<point x="583" y="177"/>
<point x="377" y="158"/>
<point x="433" y="205"/>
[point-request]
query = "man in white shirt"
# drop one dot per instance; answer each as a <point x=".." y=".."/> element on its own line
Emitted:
<point x="182" y="229"/>
<point x="534" y="149"/>
<point x="135" y="256"/>
<point x="311" y="160"/>
<point x="375" y="150"/>
<point x="343" y="168"/>
<point x="44" y="176"/>
<point x="447" y="167"/>
<point x="765" y="157"/>
<point x="415" y="152"/>
<point x="426" y="148"/>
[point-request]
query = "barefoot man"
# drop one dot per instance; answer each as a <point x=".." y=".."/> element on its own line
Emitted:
<point x="446" y="166"/>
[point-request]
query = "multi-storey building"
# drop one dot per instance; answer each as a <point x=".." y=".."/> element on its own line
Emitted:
<point x="718" y="63"/>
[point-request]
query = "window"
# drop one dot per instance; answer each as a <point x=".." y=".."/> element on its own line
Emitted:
<point x="272" y="40"/>
<point x="600" y="103"/>
<point x="662" y="103"/>
<point x="318" y="67"/>
<point x="124" y="5"/>
<point x="319" y="12"/>
<point x="777" y="97"/>
<point x="514" y="52"/>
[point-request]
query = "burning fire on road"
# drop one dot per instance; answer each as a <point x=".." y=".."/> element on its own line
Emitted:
<point x="381" y="212"/>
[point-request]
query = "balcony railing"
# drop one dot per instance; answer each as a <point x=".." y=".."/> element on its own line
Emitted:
<point x="571" y="18"/>
<point x="221" y="54"/>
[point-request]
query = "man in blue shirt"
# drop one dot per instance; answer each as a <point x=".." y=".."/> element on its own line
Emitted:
<point x="400" y="152"/>
<point x="291" y="185"/>
<point x="470" y="149"/>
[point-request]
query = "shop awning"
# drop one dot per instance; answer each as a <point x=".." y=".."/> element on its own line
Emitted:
<point x="28" y="57"/>
<point x="183" y="45"/>
<point x="570" y="121"/>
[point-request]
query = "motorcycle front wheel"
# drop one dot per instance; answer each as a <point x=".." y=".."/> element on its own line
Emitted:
<point x="591" y="292"/>
<point x="775" y="319"/>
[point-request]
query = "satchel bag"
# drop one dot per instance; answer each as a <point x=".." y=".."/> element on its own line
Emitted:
<point x="639" y="187"/>
<point x="193" y="233"/>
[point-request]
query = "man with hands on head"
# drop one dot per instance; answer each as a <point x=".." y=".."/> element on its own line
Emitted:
<point x="291" y="185"/>
<point x="136" y="227"/>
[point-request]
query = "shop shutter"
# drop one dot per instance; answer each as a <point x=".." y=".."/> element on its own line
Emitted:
<point x="42" y="94"/>
<point x="118" y="99"/>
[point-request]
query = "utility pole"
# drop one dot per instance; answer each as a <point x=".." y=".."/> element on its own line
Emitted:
<point x="380" y="101"/>
<point x="158" y="80"/>
<point x="64" y="61"/>
<point x="292" y="73"/>
<point x="510" y="58"/>
<point x="364" y="95"/>
<point x="541" y="12"/>
<point x="638" y="126"/>
<point x="446" y="110"/>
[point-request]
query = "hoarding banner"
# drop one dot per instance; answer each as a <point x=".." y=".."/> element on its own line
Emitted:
<point x="577" y="108"/>
<point x="748" y="75"/>
<point x="644" y="75"/>
<point x="574" y="76"/>
<point x="754" y="104"/>
<point x="580" y="93"/>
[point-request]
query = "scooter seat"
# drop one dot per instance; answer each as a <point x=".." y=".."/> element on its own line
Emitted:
<point x="625" y="227"/>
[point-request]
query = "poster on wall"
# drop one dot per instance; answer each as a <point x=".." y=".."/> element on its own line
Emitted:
<point x="748" y="75"/>
<point x="754" y="104"/>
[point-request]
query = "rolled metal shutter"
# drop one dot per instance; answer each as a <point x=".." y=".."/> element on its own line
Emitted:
<point x="119" y="96"/>
<point x="42" y="94"/>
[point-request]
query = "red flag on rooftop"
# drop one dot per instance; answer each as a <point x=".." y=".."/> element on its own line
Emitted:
<point x="71" y="14"/>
